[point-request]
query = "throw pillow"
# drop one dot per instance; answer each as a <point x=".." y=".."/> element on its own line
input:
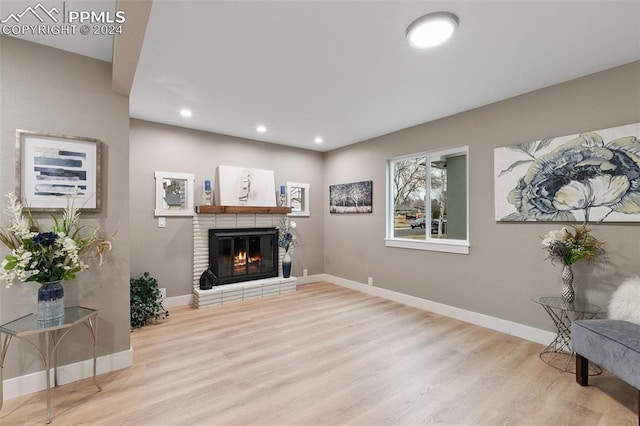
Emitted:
<point x="625" y="301"/>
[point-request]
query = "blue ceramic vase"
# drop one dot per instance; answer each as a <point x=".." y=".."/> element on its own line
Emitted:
<point x="50" y="301"/>
<point x="286" y="265"/>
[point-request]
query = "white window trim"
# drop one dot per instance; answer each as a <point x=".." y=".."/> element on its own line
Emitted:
<point x="305" y="187"/>
<point x="430" y="244"/>
<point x="446" y="246"/>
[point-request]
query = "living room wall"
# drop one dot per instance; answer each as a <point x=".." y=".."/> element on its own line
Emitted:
<point x="52" y="91"/>
<point x="506" y="264"/>
<point x="167" y="253"/>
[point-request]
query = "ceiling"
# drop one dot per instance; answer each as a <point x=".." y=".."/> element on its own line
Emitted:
<point x="342" y="70"/>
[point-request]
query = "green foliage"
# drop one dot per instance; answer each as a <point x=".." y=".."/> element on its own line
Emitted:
<point x="146" y="302"/>
<point x="569" y="247"/>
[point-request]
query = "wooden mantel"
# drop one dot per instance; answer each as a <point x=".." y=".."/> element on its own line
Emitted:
<point x="242" y="209"/>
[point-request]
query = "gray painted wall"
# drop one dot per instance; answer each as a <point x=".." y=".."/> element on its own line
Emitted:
<point x="506" y="264"/>
<point x="48" y="90"/>
<point x="166" y="253"/>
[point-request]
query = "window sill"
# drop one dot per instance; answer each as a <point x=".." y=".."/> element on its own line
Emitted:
<point x="449" y="246"/>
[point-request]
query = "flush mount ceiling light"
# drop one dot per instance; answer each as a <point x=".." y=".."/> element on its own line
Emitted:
<point x="261" y="128"/>
<point x="432" y="30"/>
<point x="318" y="139"/>
<point x="186" y="113"/>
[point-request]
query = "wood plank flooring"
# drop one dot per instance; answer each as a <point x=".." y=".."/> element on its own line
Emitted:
<point x="327" y="355"/>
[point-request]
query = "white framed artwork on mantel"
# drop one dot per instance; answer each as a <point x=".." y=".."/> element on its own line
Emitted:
<point x="243" y="186"/>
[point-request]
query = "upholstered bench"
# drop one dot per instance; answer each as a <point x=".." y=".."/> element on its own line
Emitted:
<point x="612" y="344"/>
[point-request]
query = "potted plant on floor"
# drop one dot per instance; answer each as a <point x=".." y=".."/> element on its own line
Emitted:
<point x="146" y="301"/>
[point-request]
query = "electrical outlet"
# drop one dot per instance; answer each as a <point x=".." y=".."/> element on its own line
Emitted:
<point x="370" y="282"/>
<point x="304" y="272"/>
<point x="163" y="293"/>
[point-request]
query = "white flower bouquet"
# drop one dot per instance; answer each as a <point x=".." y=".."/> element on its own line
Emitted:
<point x="47" y="256"/>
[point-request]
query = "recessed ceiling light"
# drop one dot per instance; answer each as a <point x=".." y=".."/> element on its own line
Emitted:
<point x="318" y="139"/>
<point x="186" y="112"/>
<point x="432" y="30"/>
<point x="261" y="128"/>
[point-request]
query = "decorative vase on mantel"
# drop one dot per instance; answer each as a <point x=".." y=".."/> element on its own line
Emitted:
<point x="286" y="265"/>
<point x="566" y="291"/>
<point x="50" y="302"/>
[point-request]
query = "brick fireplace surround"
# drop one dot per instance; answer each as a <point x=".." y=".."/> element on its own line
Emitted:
<point x="220" y="217"/>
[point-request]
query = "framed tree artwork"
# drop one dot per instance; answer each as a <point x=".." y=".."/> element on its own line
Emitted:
<point x="354" y="197"/>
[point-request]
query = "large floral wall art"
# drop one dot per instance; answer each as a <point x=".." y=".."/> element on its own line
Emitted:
<point x="588" y="177"/>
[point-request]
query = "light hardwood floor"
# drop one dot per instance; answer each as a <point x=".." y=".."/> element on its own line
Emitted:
<point x="329" y="355"/>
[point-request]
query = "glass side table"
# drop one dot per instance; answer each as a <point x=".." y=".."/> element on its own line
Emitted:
<point x="558" y="354"/>
<point x="54" y="331"/>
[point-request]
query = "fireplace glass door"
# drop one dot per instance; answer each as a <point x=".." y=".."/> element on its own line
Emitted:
<point x="243" y="254"/>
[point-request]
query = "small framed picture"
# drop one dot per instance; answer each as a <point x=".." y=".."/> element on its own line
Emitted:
<point x="298" y="198"/>
<point x="51" y="167"/>
<point x="174" y="194"/>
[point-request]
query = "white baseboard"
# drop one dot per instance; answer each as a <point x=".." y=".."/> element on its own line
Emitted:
<point x="172" y="302"/>
<point x="35" y="382"/>
<point x="508" y="327"/>
<point x="311" y="279"/>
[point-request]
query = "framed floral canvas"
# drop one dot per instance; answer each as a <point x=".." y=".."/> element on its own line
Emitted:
<point x="587" y="177"/>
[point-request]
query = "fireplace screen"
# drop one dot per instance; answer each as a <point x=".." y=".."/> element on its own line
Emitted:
<point x="243" y="254"/>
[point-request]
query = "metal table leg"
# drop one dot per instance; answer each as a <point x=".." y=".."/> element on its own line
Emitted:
<point x="93" y="329"/>
<point x="3" y="352"/>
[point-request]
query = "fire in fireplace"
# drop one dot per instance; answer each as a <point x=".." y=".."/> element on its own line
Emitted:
<point x="243" y="254"/>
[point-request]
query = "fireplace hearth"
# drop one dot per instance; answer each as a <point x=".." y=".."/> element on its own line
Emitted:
<point x="243" y="254"/>
<point x="229" y="218"/>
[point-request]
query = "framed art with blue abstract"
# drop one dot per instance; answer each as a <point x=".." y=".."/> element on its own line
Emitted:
<point x="588" y="177"/>
<point x="51" y="167"/>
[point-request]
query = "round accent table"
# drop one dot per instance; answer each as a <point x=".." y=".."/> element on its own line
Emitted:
<point x="559" y="353"/>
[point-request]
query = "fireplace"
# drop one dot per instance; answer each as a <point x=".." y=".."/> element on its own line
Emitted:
<point x="243" y="254"/>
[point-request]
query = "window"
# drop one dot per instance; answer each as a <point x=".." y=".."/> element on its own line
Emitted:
<point x="427" y="201"/>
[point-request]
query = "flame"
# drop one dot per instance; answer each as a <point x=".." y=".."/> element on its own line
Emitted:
<point x="241" y="259"/>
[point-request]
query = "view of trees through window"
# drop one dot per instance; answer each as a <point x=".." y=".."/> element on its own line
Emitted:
<point x="420" y="188"/>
